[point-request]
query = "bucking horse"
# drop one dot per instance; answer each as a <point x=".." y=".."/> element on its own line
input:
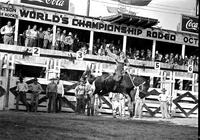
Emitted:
<point x="106" y="83"/>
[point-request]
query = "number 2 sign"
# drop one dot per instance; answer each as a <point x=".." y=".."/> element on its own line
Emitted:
<point x="36" y="51"/>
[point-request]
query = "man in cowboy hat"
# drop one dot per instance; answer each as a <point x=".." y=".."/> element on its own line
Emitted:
<point x="80" y="93"/>
<point x="69" y="41"/>
<point x="47" y="38"/>
<point x="21" y="90"/>
<point x="60" y="94"/>
<point x="36" y="89"/>
<point x="163" y="98"/>
<point x="51" y="93"/>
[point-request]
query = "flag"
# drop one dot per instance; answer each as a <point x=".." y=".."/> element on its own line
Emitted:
<point x="134" y="2"/>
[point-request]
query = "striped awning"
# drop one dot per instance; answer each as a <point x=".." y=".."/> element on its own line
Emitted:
<point x="131" y="20"/>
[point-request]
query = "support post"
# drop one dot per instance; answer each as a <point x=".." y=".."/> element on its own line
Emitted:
<point x="16" y="31"/>
<point x="153" y="50"/>
<point x="183" y="51"/>
<point x="91" y="42"/>
<point x="124" y="43"/>
<point x="54" y="36"/>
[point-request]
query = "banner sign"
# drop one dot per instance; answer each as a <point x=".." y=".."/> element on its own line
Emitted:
<point x="84" y="23"/>
<point x="56" y="4"/>
<point x="189" y="24"/>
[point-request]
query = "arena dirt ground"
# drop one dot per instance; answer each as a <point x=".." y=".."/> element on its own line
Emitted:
<point x="69" y="126"/>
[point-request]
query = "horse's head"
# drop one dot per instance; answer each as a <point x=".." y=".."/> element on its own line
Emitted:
<point x="87" y="74"/>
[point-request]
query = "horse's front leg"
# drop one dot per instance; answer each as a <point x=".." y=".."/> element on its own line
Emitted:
<point x="130" y="107"/>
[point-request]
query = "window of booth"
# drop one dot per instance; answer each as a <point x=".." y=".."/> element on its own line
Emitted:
<point x="101" y="39"/>
<point x="3" y="22"/>
<point x="168" y="52"/>
<point x="192" y="53"/>
<point x="78" y="39"/>
<point x="139" y="49"/>
<point x="25" y="36"/>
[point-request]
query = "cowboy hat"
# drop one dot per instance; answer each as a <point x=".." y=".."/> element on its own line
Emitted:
<point x="70" y="34"/>
<point x="163" y="90"/>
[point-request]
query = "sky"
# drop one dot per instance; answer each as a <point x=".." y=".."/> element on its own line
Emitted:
<point x="168" y="12"/>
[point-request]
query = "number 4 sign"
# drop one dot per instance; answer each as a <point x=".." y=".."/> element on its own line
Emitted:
<point x="190" y="68"/>
<point x="157" y="66"/>
<point x="36" y="51"/>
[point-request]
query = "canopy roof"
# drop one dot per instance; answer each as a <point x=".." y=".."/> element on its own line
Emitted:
<point x="131" y="20"/>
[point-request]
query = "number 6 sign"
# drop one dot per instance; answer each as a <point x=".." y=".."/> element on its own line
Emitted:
<point x="36" y="51"/>
<point x="190" y="68"/>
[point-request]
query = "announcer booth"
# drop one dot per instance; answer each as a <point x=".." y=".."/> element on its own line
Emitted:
<point x="129" y="32"/>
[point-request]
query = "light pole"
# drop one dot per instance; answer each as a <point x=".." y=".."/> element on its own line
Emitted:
<point x="88" y="8"/>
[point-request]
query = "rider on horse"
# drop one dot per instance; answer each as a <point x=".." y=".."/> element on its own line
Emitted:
<point x="121" y="61"/>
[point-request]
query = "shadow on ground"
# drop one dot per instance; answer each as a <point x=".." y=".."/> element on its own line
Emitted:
<point x="44" y="126"/>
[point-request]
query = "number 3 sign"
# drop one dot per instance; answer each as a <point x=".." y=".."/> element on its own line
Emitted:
<point x="36" y="51"/>
<point x="79" y="55"/>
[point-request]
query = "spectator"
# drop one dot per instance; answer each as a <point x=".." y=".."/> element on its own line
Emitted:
<point x="36" y="89"/>
<point x="33" y="36"/>
<point x="180" y="60"/>
<point x="97" y="46"/>
<point x="47" y="39"/>
<point x="137" y="55"/>
<point x="28" y="36"/>
<point x="68" y="41"/>
<point x="75" y="45"/>
<point x="186" y="60"/>
<point x="21" y="90"/>
<point x="51" y="93"/>
<point x="90" y="99"/>
<point x="80" y="93"/>
<point x="196" y="62"/>
<point x="8" y="32"/>
<point x="58" y="39"/>
<point x="163" y="98"/>
<point x="149" y="57"/>
<point x="114" y="98"/>
<point x="62" y="37"/>
<point x="101" y="51"/>
<point x="118" y="45"/>
<point x="104" y="43"/>
<point x="40" y="37"/>
<point x="156" y="55"/>
<point x="171" y="58"/>
<point x="142" y="55"/>
<point x="176" y="59"/>
<point x="122" y="105"/>
<point x="139" y="101"/>
<point x="190" y="60"/>
<point x="60" y="94"/>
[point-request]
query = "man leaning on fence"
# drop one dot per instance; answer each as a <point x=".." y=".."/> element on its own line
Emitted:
<point x="36" y="89"/>
<point x="21" y="90"/>
<point x="51" y="93"/>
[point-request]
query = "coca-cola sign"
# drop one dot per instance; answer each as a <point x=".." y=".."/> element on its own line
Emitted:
<point x="57" y="4"/>
<point x="190" y="24"/>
